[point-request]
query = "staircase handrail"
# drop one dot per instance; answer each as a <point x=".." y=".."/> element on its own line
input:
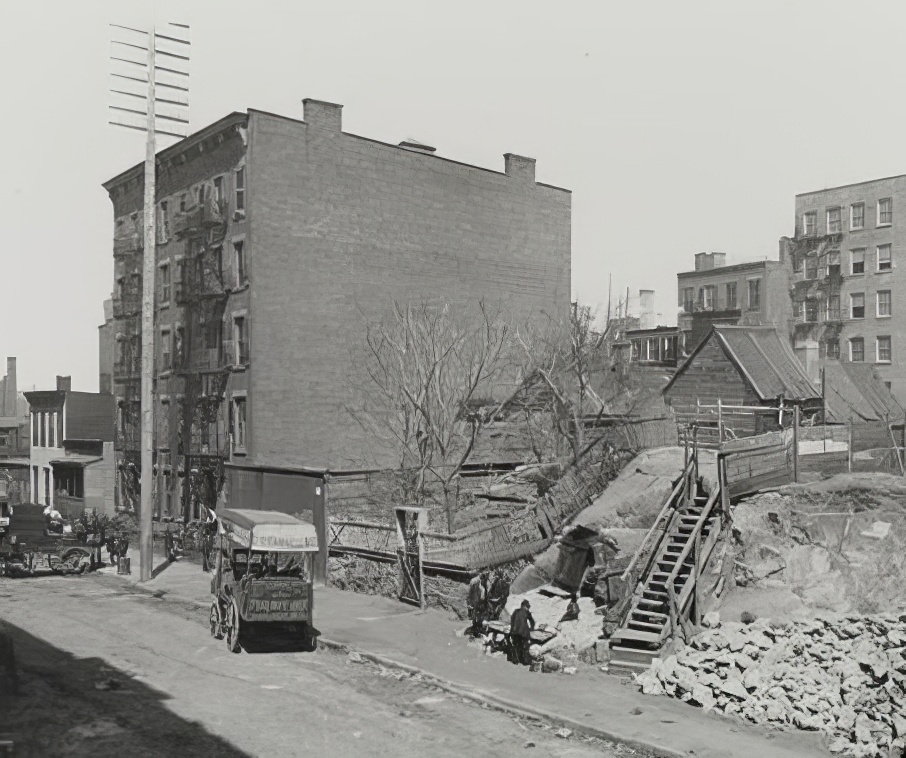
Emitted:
<point x="696" y="531"/>
<point x="680" y="486"/>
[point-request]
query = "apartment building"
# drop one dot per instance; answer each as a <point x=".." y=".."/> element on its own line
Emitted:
<point x="71" y="456"/>
<point x="276" y="239"/>
<point x="848" y="291"/>
<point x="753" y="293"/>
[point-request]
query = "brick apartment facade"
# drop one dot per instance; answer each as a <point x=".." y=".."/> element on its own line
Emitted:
<point x="749" y="294"/>
<point x="849" y="291"/>
<point x="276" y="239"/>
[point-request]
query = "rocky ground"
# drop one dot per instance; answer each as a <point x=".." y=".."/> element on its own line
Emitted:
<point x="844" y="677"/>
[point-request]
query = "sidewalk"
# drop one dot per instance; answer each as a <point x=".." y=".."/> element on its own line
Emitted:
<point x="590" y="700"/>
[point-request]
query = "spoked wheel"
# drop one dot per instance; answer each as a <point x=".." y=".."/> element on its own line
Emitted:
<point x="216" y="627"/>
<point x="232" y="627"/>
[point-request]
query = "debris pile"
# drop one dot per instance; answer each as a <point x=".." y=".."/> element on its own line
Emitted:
<point x="845" y="677"/>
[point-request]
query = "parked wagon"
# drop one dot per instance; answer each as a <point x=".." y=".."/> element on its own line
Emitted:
<point x="263" y="577"/>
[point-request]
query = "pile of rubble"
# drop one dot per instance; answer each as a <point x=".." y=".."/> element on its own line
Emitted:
<point x="845" y="677"/>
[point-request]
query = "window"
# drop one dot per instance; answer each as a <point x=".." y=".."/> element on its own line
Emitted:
<point x="885" y="211"/>
<point x="178" y="346"/>
<point x="857" y="261"/>
<point x="832" y="349"/>
<point x="810" y="223"/>
<point x="834" y="220"/>
<point x="240" y="189"/>
<point x="35" y="427"/>
<point x="163" y="232"/>
<point x="689" y="299"/>
<point x="833" y="263"/>
<point x="884" y="258"/>
<point x="754" y="294"/>
<point x="240" y="341"/>
<point x="239" y="424"/>
<point x="199" y="195"/>
<point x="884" y="303"/>
<point x="833" y="308"/>
<point x="706" y="297"/>
<point x="239" y="262"/>
<point x="164" y="274"/>
<point x="51" y="429"/>
<point x="212" y="330"/>
<point x="811" y="267"/>
<point x="43" y="429"/>
<point x="857" y="216"/>
<point x="811" y="311"/>
<point x="883" y="349"/>
<point x="166" y="362"/>
<point x="731" y="296"/>
<point x="182" y="202"/>
<point x="218" y="189"/>
<point x="59" y="417"/>
<point x="857" y="305"/>
<point x="857" y="350"/>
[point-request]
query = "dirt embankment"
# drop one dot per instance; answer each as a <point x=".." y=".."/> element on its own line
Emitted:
<point x="834" y="546"/>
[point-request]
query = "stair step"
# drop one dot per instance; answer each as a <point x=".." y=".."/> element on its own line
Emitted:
<point x="648" y="602"/>
<point x="651" y="614"/>
<point x="644" y="626"/>
<point x="657" y="594"/>
<point x="638" y="635"/>
<point x="632" y="655"/>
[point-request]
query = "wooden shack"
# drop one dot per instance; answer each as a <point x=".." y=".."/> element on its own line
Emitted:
<point x="744" y="366"/>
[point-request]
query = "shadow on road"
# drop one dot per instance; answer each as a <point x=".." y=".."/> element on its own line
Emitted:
<point x="85" y="707"/>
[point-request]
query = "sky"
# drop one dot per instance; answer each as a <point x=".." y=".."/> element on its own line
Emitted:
<point x="680" y="127"/>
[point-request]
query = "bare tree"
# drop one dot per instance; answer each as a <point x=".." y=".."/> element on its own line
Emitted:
<point x="430" y="380"/>
<point x="572" y="363"/>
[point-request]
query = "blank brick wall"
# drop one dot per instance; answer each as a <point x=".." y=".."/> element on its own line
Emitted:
<point x="339" y="228"/>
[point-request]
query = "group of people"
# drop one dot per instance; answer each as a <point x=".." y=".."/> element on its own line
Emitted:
<point x="487" y="598"/>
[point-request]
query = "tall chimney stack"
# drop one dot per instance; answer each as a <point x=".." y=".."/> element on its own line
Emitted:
<point x="64" y="383"/>
<point x="646" y="309"/>
<point x="10" y="391"/>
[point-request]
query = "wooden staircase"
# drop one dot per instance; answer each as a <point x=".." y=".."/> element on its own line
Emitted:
<point x="664" y="573"/>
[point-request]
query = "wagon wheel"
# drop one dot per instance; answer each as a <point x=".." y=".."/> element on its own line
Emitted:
<point x="216" y="624"/>
<point x="75" y="560"/>
<point x="232" y="627"/>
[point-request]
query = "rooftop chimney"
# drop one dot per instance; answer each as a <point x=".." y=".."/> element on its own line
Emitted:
<point x="9" y="389"/>
<point x="322" y="115"/>
<point x="707" y="261"/>
<point x="64" y="383"/>
<point x="519" y="167"/>
<point x="646" y="309"/>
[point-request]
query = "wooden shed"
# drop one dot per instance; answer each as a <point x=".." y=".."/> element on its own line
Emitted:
<point x="744" y="366"/>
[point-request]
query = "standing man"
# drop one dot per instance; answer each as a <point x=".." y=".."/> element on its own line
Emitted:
<point x="477" y="601"/>
<point x="521" y="625"/>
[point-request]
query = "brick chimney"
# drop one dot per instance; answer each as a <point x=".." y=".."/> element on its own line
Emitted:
<point x="519" y="167"/>
<point x="322" y="115"/>
<point x="64" y="383"/>
<point x="10" y="392"/>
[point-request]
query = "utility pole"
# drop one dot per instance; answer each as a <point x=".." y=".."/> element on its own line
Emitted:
<point x="174" y="77"/>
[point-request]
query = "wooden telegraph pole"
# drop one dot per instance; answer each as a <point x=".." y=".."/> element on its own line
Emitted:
<point x="174" y="47"/>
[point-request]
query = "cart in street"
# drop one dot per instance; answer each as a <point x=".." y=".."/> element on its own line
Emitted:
<point x="263" y="577"/>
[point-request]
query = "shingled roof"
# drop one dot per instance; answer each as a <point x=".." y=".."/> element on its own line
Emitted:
<point x="855" y="390"/>
<point x="763" y="358"/>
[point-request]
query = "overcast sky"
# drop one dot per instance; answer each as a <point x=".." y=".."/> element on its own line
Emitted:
<point x="679" y="126"/>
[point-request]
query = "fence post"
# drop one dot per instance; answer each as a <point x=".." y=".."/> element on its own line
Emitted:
<point x="720" y="422"/>
<point x="796" y="412"/>
<point x="849" y="445"/>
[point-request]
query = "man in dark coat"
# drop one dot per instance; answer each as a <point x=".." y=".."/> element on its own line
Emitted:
<point x="521" y="625"/>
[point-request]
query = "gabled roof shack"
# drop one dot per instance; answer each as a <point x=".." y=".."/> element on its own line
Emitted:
<point x="856" y="391"/>
<point x="764" y="360"/>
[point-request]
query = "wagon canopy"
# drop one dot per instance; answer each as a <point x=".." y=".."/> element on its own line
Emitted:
<point x="267" y="530"/>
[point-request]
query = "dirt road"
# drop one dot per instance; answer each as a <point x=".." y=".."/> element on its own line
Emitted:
<point x="109" y="671"/>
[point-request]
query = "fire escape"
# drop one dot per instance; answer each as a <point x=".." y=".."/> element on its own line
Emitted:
<point x="127" y="306"/>
<point x="816" y="291"/>
<point x="197" y="431"/>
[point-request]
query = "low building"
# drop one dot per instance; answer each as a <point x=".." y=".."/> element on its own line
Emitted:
<point x="14" y="435"/>
<point x="744" y="366"/>
<point x="754" y="293"/>
<point x="71" y="456"/>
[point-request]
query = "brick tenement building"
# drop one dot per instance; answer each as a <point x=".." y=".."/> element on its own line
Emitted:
<point x="849" y="292"/>
<point x="276" y="239"/>
<point x="750" y="294"/>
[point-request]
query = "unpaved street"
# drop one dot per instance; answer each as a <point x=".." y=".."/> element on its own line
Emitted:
<point x="110" y="671"/>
